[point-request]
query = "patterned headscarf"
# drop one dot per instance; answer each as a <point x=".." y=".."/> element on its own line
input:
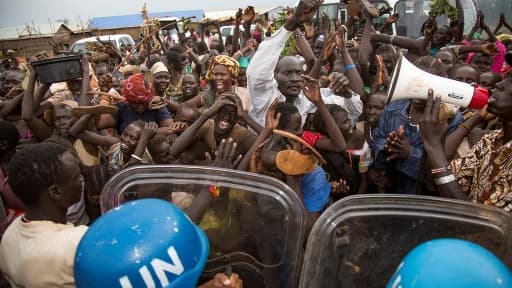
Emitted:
<point x="227" y="61"/>
<point x="504" y="37"/>
<point x="136" y="90"/>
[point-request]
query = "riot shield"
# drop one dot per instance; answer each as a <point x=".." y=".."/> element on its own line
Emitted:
<point x="360" y="240"/>
<point x="255" y="227"/>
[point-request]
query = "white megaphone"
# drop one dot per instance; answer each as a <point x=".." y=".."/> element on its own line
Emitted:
<point x="410" y="82"/>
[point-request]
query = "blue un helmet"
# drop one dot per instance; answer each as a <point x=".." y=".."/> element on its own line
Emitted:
<point x="450" y="263"/>
<point x="142" y="243"/>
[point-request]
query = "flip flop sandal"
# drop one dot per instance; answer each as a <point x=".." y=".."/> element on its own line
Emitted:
<point x="292" y="162"/>
<point x="353" y="9"/>
<point x="299" y="140"/>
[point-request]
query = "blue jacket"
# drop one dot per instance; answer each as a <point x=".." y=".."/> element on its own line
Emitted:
<point x="404" y="172"/>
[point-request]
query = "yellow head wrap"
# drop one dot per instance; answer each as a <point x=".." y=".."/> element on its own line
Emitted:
<point x="504" y="37"/>
<point x="227" y="61"/>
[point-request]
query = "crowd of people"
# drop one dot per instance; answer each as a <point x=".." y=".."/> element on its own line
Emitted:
<point x="316" y="119"/>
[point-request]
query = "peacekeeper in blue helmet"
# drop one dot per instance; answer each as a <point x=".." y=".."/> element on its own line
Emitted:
<point x="451" y="263"/>
<point x="145" y="243"/>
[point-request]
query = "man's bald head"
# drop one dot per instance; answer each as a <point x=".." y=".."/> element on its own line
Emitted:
<point x="288" y="74"/>
<point x="287" y="61"/>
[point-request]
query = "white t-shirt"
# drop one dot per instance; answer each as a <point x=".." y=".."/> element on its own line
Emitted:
<point x="39" y="253"/>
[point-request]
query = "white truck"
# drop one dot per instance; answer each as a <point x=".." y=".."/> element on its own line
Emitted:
<point x="118" y="40"/>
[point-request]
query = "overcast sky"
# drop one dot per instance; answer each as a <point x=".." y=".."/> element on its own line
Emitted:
<point x="19" y="12"/>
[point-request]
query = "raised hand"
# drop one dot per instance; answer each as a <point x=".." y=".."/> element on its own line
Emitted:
<point x="379" y="179"/>
<point x="239" y="106"/>
<point x="223" y="281"/>
<point x="289" y="12"/>
<point x="399" y="148"/>
<point x="15" y="91"/>
<point x="249" y="14"/>
<point x="149" y="130"/>
<point x="311" y="89"/>
<point x="340" y="187"/>
<point x="339" y="84"/>
<point x="250" y="44"/>
<point x="490" y="49"/>
<point x="393" y="18"/>
<point x="325" y="24"/>
<point x="303" y="13"/>
<point x="432" y="131"/>
<point x="329" y="46"/>
<point x="271" y="118"/>
<point x="430" y="27"/>
<point x="397" y="145"/>
<point x="223" y="101"/>
<point x="309" y="31"/>
<point x="225" y="155"/>
<point x="353" y="8"/>
<point x="382" y="75"/>
<point x="340" y="38"/>
<point x="238" y="16"/>
<point x="177" y="127"/>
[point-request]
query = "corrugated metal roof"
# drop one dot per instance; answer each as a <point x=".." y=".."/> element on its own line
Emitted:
<point x="136" y="19"/>
<point x="10" y="32"/>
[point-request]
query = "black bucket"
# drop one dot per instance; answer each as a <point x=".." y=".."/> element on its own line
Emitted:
<point x="58" y="69"/>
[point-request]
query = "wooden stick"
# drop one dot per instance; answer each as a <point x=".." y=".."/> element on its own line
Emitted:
<point x="106" y="94"/>
<point x="143" y="40"/>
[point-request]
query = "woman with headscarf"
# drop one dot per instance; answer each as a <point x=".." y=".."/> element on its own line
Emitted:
<point x="222" y="77"/>
<point x="161" y="79"/>
<point x="138" y="94"/>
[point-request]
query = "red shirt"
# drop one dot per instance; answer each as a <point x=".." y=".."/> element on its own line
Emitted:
<point x="310" y="137"/>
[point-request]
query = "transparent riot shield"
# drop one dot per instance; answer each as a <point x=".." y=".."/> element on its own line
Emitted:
<point x="360" y="240"/>
<point x="256" y="225"/>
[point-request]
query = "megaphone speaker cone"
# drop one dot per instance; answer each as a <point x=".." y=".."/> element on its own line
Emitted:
<point x="411" y="82"/>
<point x="480" y="98"/>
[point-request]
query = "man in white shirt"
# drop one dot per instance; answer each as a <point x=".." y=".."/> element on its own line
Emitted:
<point x="269" y="77"/>
<point x="38" y="248"/>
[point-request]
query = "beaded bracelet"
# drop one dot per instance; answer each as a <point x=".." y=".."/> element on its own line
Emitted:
<point x="465" y="127"/>
<point x="215" y="190"/>
<point x="440" y="170"/>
